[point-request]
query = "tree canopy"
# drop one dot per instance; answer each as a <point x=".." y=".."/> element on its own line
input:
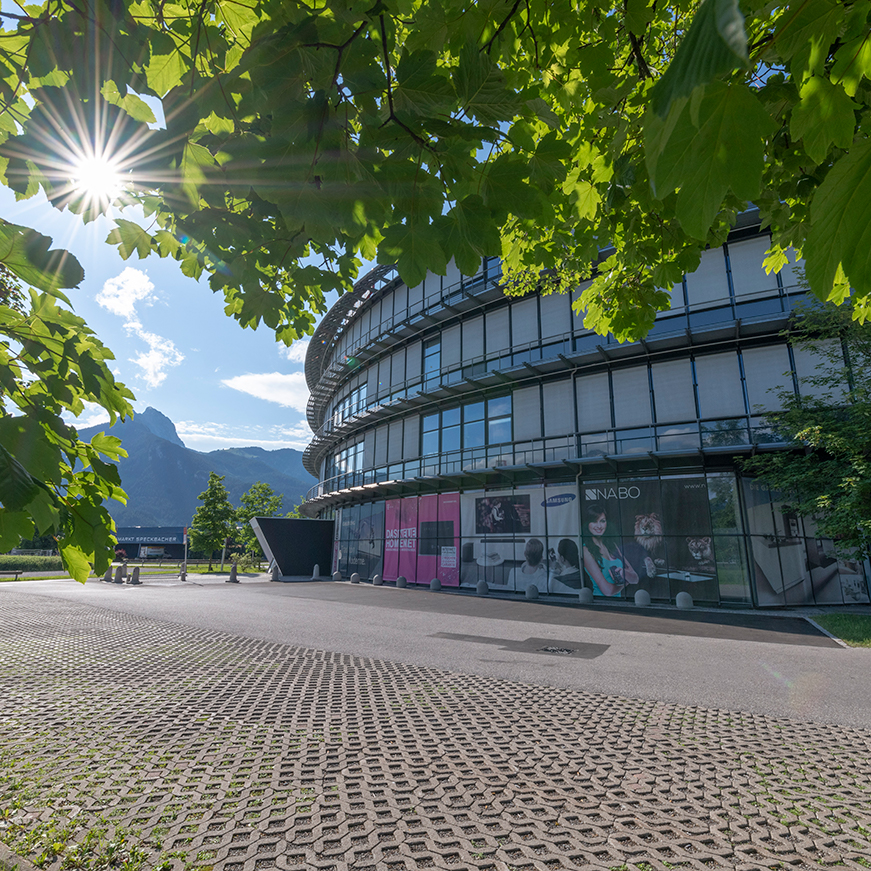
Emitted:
<point x="215" y="520"/>
<point x="828" y="477"/>
<point x="302" y="139"/>
<point x="260" y="500"/>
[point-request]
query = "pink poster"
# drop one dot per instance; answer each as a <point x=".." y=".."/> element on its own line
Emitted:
<point x="428" y="544"/>
<point x="449" y="539"/>
<point x="391" y="539"/>
<point x="408" y="539"/>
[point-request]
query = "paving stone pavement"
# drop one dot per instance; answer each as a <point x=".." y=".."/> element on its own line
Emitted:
<point x="246" y="755"/>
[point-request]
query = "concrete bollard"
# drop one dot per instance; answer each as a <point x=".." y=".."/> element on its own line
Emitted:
<point x="119" y="577"/>
<point x="532" y="592"/>
<point x="585" y="596"/>
<point x="183" y="571"/>
<point x="124" y="572"/>
<point x="316" y="573"/>
<point x="401" y="582"/>
<point x="684" y="600"/>
<point x="435" y="585"/>
<point x="642" y="598"/>
<point x="107" y="578"/>
<point x="234" y="574"/>
<point x="133" y="580"/>
<point x="276" y="573"/>
<point x="377" y="581"/>
<point x="337" y="576"/>
<point x="355" y="578"/>
<point x="482" y="589"/>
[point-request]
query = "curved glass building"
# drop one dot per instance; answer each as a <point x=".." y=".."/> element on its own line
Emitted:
<point x="464" y="435"/>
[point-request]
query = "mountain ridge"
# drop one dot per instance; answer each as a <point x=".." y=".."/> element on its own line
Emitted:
<point x="163" y="477"/>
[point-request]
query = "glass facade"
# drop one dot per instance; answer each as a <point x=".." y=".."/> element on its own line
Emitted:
<point x="559" y="457"/>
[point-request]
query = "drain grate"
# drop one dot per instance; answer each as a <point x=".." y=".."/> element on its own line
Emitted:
<point x="563" y="651"/>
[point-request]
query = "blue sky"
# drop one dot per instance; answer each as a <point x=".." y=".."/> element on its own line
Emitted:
<point x="174" y="347"/>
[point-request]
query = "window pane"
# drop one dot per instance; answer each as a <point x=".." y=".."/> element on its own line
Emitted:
<point x="450" y="417"/>
<point x="499" y="407"/>
<point x="500" y="430"/>
<point x="430" y="443"/>
<point x="430" y="422"/>
<point x="474" y="411"/>
<point x="473" y="434"/>
<point x="451" y="438"/>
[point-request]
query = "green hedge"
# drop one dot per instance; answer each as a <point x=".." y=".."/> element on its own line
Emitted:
<point x="24" y="563"/>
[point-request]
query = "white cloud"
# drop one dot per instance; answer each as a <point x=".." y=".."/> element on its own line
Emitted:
<point x="120" y="294"/>
<point x="213" y="436"/>
<point x="297" y="351"/>
<point x="287" y="389"/>
<point x="161" y="355"/>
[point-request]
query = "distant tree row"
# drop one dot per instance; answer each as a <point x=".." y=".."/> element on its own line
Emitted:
<point x="217" y="520"/>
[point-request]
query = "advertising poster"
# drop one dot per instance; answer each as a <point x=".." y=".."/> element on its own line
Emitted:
<point x="560" y="505"/>
<point x="648" y="535"/>
<point x="408" y="538"/>
<point x="391" y="539"/>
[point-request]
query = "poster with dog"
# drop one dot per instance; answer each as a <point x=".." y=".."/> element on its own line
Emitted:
<point x="649" y="534"/>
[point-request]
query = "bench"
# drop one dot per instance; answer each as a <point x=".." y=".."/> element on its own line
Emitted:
<point x="16" y="574"/>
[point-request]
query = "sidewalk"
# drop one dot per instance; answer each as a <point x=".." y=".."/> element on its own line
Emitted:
<point x="218" y="752"/>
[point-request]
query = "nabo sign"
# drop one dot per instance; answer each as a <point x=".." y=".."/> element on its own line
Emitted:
<point x="560" y="499"/>
<point x="593" y="494"/>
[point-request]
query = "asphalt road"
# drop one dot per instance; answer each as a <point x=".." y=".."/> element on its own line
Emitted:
<point x="749" y="662"/>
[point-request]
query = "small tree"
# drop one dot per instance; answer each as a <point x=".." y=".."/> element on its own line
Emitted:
<point x="214" y="520"/>
<point x="830" y="480"/>
<point x="260" y="501"/>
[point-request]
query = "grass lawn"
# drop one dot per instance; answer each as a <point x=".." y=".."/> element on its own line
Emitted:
<point x="852" y="629"/>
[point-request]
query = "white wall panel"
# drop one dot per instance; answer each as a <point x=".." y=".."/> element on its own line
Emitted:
<point x="397" y="368"/>
<point x="556" y="315"/>
<point x="412" y="360"/>
<point x="381" y="445"/>
<point x="526" y="411"/>
<point x="748" y="276"/>
<point x="559" y="408"/>
<point x="719" y="382"/>
<point x="411" y="438"/>
<point x="497" y="335"/>
<point x="594" y="402"/>
<point x="524" y="321"/>
<point x="400" y="302"/>
<point x="394" y="442"/>
<point x="372" y="381"/>
<point x="708" y="285"/>
<point x="631" y="389"/>
<point x="415" y="299"/>
<point x="451" y="346"/>
<point x="452" y="276"/>
<point x="369" y="449"/>
<point x="473" y="338"/>
<point x="673" y="392"/>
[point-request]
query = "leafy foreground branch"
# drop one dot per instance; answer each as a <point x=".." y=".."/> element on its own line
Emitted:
<point x="301" y="140"/>
<point x="50" y="480"/>
<point x="830" y="479"/>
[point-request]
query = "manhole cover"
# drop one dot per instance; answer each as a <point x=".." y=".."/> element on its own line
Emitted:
<point x="564" y="651"/>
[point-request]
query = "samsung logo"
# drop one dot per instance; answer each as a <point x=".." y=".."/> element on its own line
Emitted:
<point x="561" y="499"/>
<point x="592" y="494"/>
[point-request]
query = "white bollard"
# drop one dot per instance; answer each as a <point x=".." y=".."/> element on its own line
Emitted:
<point x="532" y="592"/>
<point x="377" y="581"/>
<point x="316" y="573"/>
<point x="276" y="572"/>
<point x="234" y="572"/>
<point x="107" y="578"/>
<point x="435" y="585"/>
<point x="133" y="580"/>
<point x="119" y="577"/>
<point x="684" y="600"/>
<point x="642" y="598"/>
<point x="585" y="596"/>
<point x="482" y="589"/>
<point x="355" y="578"/>
<point x="337" y="576"/>
<point x="401" y="582"/>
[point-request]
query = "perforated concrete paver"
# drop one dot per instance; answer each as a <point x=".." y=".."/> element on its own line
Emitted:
<point x="248" y="755"/>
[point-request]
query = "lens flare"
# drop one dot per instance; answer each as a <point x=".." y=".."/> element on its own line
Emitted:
<point x="97" y="177"/>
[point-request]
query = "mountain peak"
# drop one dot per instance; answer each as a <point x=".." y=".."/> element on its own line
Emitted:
<point x="160" y="425"/>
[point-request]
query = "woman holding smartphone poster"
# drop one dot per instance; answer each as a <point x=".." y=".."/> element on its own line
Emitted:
<point x="604" y="563"/>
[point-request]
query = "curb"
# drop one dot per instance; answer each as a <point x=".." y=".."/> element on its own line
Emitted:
<point x="10" y="861"/>
<point x="825" y="631"/>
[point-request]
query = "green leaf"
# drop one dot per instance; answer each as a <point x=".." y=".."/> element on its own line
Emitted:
<point x="809" y="28"/>
<point x="130" y="237"/>
<point x="707" y="152"/>
<point x="166" y="66"/>
<point x="480" y="87"/>
<point x="17" y="486"/>
<point x="824" y="117"/>
<point x="639" y="13"/>
<point x="840" y="231"/>
<point x="134" y="106"/>
<point x="467" y="232"/>
<point x="75" y="561"/>
<point x="28" y="255"/>
<point x="715" y="44"/>
<point x="506" y="190"/>
<point x="415" y="250"/>
<point x="852" y="64"/>
<point x="420" y="89"/>
<point x="14" y="525"/>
